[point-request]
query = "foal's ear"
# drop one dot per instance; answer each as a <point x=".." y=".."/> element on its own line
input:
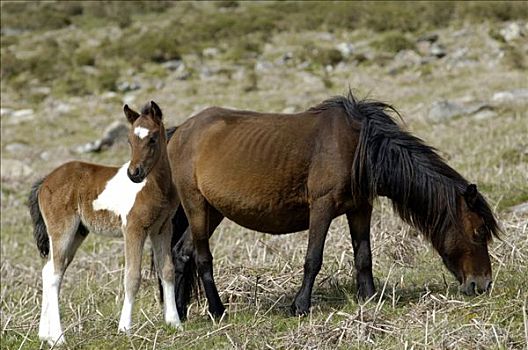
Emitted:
<point x="130" y="114"/>
<point x="471" y="195"/>
<point x="155" y="111"/>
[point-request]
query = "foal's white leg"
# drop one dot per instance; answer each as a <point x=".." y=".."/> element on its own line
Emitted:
<point x="133" y="251"/>
<point x="50" y="329"/>
<point x="61" y="254"/>
<point x="161" y="243"/>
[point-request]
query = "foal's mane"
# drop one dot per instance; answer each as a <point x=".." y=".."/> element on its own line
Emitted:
<point x="392" y="162"/>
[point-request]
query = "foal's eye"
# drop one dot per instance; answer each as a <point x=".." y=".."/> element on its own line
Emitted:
<point x="152" y="140"/>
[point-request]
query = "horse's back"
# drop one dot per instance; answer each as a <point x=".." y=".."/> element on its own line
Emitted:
<point x="259" y="169"/>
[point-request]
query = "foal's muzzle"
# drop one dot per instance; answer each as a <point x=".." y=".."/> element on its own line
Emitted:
<point x="137" y="176"/>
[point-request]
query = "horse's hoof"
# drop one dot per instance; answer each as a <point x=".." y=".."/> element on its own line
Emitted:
<point x="299" y="311"/>
<point x="365" y="292"/>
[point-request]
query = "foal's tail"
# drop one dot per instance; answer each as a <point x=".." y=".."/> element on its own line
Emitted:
<point x="40" y="232"/>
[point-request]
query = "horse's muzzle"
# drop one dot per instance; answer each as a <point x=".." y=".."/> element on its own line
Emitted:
<point x="476" y="285"/>
<point x="137" y="176"/>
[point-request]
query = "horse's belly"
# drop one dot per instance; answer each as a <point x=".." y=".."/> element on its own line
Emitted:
<point x="276" y="218"/>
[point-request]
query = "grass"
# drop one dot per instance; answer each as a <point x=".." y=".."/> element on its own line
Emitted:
<point x="418" y="304"/>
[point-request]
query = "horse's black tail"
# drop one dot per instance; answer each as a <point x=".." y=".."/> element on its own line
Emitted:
<point x="39" y="227"/>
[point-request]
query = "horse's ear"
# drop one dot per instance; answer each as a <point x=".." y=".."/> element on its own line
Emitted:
<point x="155" y="111"/>
<point x="471" y="195"/>
<point x="130" y="114"/>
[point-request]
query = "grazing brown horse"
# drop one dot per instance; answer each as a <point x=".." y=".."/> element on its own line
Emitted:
<point x="282" y="173"/>
<point x="137" y="200"/>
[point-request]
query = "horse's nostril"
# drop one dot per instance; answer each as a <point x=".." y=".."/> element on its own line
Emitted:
<point x="472" y="287"/>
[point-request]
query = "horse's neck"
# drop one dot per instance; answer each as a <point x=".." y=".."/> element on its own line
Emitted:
<point x="160" y="176"/>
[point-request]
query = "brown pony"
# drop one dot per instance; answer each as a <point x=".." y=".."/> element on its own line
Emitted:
<point x="137" y="200"/>
<point x="282" y="173"/>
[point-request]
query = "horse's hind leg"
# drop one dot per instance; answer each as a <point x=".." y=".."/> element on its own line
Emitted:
<point x="320" y="219"/>
<point x="161" y="245"/>
<point x="359" y="224"/>
<point x="203" y="220"/>
<point x="64" y="240"/>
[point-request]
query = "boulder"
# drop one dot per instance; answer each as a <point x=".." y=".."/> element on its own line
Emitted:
<point x="13" y="168"/>
<point x="115" y="132"/>
<point x="511" y="32"/>
<point x="512" y="96"/>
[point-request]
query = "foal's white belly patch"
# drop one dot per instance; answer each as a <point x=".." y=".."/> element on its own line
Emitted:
<point x="119" y="194"/>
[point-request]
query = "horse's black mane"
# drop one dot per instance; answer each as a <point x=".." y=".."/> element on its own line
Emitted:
<point x="391" y="162"/>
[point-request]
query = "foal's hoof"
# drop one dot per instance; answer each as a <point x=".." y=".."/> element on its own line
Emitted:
<point x="53" y="341"/>
<point x="175" y="325"/>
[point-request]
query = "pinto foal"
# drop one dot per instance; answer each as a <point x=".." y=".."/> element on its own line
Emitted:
<point x="137" y="199"/>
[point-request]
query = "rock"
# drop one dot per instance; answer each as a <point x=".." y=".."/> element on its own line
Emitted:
<point x="346" y="49"/>
<point x="22" y="113"/>
<point x="239" y="74"/>
<point x="517" y="95"/>
<point x="172" y="64"/>
<point x="442" y="111"/>
<point x="284" y="58"/>
<point x="63" y="108"/>
<point x="115" y="132"/>
<point x="311" y="80"/>
<point x="430" y="38"/>
<point x="16" y="147"/>
<point x="5" y="112"/>
<point x="210" y="52"/>
<point x="484" y="114"/>
<point x="20" y="116"/>
<point x="288" y="110"/>
<point x="511" y="32"/>
<point x="90" y="70"/>
<point x="129" y="98"/>
<point x="437" y="50"/>
<point x="182" y="73"/>
<point x="12" y="168"/>
<point x="402" y="60"/>
<point x="520" y="208"/>
<point x="41" y="90"/>
<point x="109" y="95"/>
<point x="263" y="66"/>
<point x="128" y="86"/>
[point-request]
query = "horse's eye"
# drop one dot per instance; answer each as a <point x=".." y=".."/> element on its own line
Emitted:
<point x="152" y="140"/>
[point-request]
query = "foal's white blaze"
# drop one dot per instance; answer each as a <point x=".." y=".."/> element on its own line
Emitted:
<point x="119" y="194"/>
<point x="141" y="132"/>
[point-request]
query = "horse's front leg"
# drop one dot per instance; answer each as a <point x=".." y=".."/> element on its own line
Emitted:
<point x="320" y="219"/>
<point x="161" y="244"/>
<point x="359" y="224"/>
<point x="134" y="241"/>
